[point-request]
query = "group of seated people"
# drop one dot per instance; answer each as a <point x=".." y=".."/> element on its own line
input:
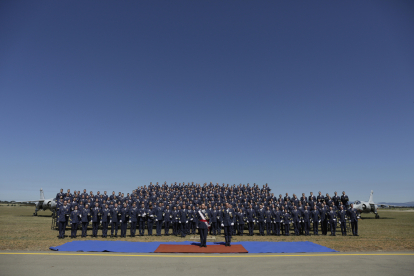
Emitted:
<point x="174" y="207"/>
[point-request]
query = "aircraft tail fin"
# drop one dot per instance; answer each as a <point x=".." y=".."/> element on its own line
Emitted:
<point x="371" y="197"/>
<point x="42" y="195"/>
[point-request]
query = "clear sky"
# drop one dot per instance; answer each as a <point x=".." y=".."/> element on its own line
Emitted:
<point x="302" y="95"/>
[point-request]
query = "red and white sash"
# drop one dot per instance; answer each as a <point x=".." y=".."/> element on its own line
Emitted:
<point x="203" y="218"/>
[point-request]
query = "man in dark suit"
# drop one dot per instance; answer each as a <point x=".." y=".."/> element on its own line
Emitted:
<point x="133" y="217"/>
<point x="115" y="212"/>
<point x="342" y="220"/>
<point x="86" y="217"/>
<point x="353" y="217"/>
<point x="227" y="222"/>
<point x="63" y="215"/>
<point x="159" y="218"/>
<point x="332" y="221"/>
<point x="95" y="215"/>
<point x="183" y="220"/>
<point x="203" y="224"/>
<point x="251" y="217"/>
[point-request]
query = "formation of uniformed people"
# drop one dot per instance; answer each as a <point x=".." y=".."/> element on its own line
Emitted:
<point x="225" y="208"/>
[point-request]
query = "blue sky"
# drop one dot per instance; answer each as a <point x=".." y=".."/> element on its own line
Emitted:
<point x="303" y="95"/>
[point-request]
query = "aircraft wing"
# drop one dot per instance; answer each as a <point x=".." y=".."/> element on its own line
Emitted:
<point x="39" y="200"/>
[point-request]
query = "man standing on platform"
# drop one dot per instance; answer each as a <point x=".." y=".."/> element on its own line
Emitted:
<point x="227" y="216"/>
<point x="203" y="218"/>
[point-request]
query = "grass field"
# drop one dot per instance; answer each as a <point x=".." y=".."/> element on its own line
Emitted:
<point x="394" y="231"/>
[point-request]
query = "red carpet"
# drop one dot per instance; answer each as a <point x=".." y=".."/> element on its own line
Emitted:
<point x="180" y="248"/>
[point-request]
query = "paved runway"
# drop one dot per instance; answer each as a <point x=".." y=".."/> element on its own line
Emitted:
<point x="65" y="263"/>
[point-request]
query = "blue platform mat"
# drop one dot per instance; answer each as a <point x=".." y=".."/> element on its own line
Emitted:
<point x="150" y="247"/>
<point x="284" y="247"/>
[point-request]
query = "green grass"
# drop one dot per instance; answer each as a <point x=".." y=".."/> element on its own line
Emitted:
<point x="394" y="231"/>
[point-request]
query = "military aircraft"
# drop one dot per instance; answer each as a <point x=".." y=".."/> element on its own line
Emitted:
<point x="368" y="206"/>
<point x="44" y="204"/>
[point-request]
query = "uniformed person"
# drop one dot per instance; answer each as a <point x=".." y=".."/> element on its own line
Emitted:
<point x="60" y="195"/>
<point x="203" y="224"/>
<point x="159" y="218"/>
<point x="353" y="217"/>
<point x="323" y="213"/>
<point x="213" y="221"/>
<point x="306" y="220"/>
<point x="74" y="220"/>
<point x="315" y="219"/>
<point x="344" y="200"/>
<point x="295" y="220"/>
<point x="332" y="221"/>
<point x="86" y="217"/>
<point x="183" y="220"/>
<point x="168" y="215"/>
<point x="142" y="216"/>
<point x="115" y="214"/>
<point x="286" y="222"/>
<point x="241" y="217"/>
<point x="277" y="217"/>
<point x="261" y="220"/>
<point x="95" y="218"/>
<point x="194" y="223"/>
<point x="342" y="220"/>
<point x="219" y="219"/>
<point x="150" y="220"/>
<point x="133" y="218"/>
<point x="268" y="220"/>
<point x="105" y="217"/>
<point x="251" y="218"/>
<point x="124" y="220"/>
<point x="64" y="212"/>
<point x="174" y="220"/>
<point x="227" y="223"/>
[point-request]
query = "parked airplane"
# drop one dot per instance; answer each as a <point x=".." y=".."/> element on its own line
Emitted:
<point x="44" y="204"/>
<point x="368" y="206"/>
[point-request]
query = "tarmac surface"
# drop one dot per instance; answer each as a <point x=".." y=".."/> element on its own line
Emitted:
<point x="107" y="263"/>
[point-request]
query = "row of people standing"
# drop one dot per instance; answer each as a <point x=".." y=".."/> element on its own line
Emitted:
<point x="184" y="221"/>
